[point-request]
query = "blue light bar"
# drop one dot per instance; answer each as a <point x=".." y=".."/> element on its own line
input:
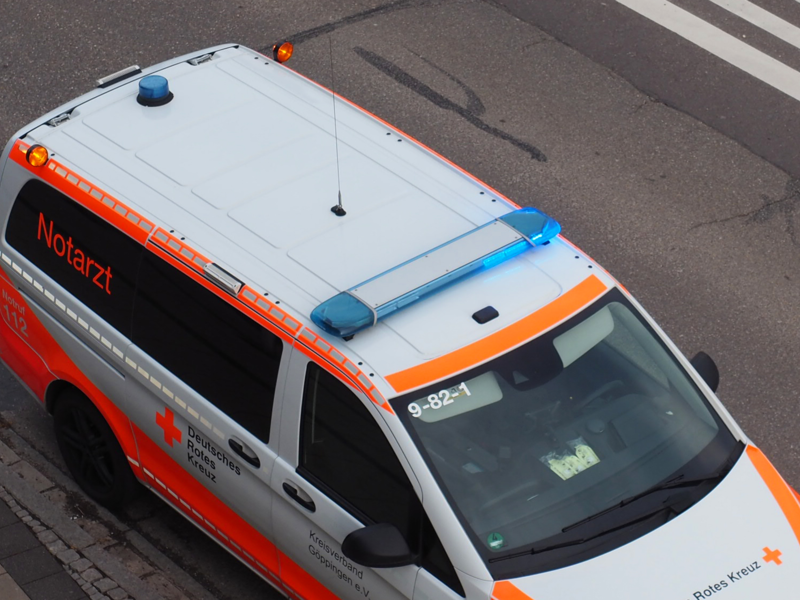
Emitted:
<point x="484" y="247"/>
<point x="536" y="226"/>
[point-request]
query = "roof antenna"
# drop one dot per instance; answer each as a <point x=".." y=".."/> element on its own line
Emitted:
<point x="336" y="209"/>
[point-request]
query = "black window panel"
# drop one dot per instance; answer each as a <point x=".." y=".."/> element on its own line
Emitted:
<point x="89" y="257"/>
<point x="213" y="347"/>
<point x="435" y="559"/>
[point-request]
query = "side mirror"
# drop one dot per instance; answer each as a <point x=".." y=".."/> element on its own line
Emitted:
<point x="707" y="369"/>
<point x="377" y="546"/>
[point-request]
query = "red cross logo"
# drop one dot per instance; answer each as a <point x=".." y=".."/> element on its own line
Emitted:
<point x="167" y="423"/>
<point x="772" y="556"/>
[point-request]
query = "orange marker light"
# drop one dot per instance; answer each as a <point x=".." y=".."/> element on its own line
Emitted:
<point x="37" y="156"/>
<point x="282" y="51"/>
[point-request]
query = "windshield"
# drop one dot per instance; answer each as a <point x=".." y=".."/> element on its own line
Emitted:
<point x="565" y="427"/>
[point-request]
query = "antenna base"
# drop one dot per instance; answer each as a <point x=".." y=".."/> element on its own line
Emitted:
<point x="338" y="210"/>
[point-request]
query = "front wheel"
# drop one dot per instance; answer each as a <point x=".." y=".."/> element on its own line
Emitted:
<point x="92" y="452"/>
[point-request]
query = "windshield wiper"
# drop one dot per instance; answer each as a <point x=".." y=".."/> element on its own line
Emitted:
<point x="674" y="482"/>
<point x="671" y="507"/>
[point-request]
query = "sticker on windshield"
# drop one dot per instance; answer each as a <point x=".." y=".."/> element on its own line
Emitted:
<point x="440" y="399"/>
<point x="568" y="464"/>
<point x="495" y="541"/>
<point x="461" y="398"/>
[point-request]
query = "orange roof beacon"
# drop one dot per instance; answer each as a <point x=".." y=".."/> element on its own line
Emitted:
<point x="424" y="392"/>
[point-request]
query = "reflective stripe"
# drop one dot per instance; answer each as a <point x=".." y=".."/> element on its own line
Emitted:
<point x="299" y="583"/>
<point x="267" y="309"/>
<point x="89" y="195"/>
<point x="501" y="341"/>
<point x="132" y="223"/>
<point x="505" y="590"/>
<point x="180" y="250"/>
<point x="330" y="355"/>
<point x="784" y="495"/>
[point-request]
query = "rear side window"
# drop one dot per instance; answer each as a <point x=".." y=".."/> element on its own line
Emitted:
<point x="90" y="258"/>
<point x="214" y="348"/>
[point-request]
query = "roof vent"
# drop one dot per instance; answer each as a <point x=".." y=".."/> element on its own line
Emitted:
<point x="154" y="91"/>
<point x="485" y="315"/>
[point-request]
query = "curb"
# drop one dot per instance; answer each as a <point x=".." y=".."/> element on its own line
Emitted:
<point x="109" y="561"/>
<point x="80" y="568"/>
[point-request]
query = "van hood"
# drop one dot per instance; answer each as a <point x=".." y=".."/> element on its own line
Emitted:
<point x="741" y="541"/>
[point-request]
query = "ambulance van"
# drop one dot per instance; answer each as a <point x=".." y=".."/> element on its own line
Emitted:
<point x="422" y="391"/>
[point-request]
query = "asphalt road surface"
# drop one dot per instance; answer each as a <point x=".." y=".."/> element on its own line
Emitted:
<point x="661" y="135"/>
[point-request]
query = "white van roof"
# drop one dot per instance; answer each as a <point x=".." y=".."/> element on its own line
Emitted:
<point x="242" y="163"/>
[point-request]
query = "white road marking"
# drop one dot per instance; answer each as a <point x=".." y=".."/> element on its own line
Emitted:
<point x="763" y="19"/>
<point x="721" y="44"/>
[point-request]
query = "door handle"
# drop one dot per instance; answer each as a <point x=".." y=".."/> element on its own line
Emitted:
<point x="244" y="452"/>
<point x="294" y="494"/>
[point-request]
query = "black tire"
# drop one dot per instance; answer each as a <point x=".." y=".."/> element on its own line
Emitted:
<point x="91" y="450"/>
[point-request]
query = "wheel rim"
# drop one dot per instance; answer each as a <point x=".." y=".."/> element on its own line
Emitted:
<point x="87" y="451"/>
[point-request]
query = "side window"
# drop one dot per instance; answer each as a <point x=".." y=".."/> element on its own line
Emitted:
<point x="344" y="452"/>
<point x="92" y="259"/>
<point x="344" y="449"/>
<point x="221" y="353"/>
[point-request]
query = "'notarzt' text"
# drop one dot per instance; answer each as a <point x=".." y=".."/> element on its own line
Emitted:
<point x="85" y="265"/>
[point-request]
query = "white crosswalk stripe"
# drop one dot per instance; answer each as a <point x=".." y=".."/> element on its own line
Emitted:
<point x="762" y="18"/>
<point x="726" y="46"/>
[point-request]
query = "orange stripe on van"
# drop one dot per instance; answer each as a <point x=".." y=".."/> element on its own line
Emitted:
<point x="269" y="310"/>
<point x="505" y="590"/>
<point x="87" y="194"/>
<point x="177" y="248"/>
<point x="299" y="583"/>
<point x="785" y="496"/>
<point x="513" y="335"/>
<point x="579" y="251"/>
